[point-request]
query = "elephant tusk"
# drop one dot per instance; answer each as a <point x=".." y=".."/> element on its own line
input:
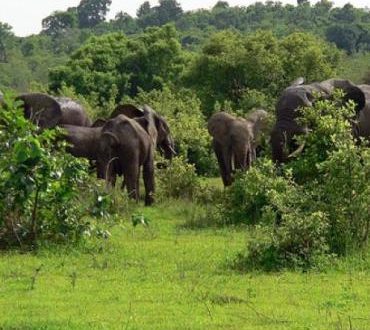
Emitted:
<point x="298" y="151"/>
<point x="172" y="150"/>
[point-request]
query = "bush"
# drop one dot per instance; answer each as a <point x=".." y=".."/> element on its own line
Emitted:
<point x="39" y="184"/>
<point x="177" y="180"/>
<point x="319" y="204"/>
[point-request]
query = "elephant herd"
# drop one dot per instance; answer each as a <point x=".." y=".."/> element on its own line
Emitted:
<point x="126" y="141"/>
<point x="119" y="146"/>
<point x="235" y="139"/>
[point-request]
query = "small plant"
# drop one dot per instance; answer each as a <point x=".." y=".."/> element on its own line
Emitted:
<point x="178" y="180"/>
<point x="40" y="184"/>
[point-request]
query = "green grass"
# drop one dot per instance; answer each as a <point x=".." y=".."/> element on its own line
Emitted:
<point x="166" y="277"/>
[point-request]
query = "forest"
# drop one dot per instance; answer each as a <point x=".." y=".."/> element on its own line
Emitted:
<point x="250" y="128"/>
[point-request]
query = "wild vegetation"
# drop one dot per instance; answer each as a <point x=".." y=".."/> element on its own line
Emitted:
<point x="284" y="246"/>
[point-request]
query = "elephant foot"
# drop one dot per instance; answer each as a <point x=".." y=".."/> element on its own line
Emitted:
<point x="149" y="200"/>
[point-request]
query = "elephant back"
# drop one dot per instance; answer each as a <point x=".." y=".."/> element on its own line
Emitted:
<point x="41" y="109"/>
<point x="73" y="113"/>
<point x="129" y="110"/>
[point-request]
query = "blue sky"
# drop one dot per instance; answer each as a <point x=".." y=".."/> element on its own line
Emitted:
<point x="25" y="15"/>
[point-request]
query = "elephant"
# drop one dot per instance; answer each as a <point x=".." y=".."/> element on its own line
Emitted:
<point x="83" y="141"/>
<point x="47" y="111"/>
<point x="165" y="143"/>
<point x="364" y="116"/>
<point x="287" y="111"/>
<point x="131" y="145"/>
<point x="235" y="140"/>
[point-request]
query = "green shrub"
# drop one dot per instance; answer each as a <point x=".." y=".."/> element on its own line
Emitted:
<point x="39" y="184"/>
<point x="318" y="205"/>
<point x="177" y="180"/>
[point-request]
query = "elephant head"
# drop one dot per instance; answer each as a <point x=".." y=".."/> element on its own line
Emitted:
<point x="165" y="142"/>
<point x="42" y="109"/>
<point x="297" y="96"/>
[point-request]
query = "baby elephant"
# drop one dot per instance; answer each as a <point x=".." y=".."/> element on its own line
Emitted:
<point x="235" y="140"/>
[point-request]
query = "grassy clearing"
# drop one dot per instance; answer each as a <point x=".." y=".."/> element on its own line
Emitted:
<point x="167" y="277"/>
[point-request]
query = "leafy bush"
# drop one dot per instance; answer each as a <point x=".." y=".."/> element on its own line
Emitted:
<point x="319" y="204"/>
<point x="39" y="184"/>
<point x="177" y="180"/>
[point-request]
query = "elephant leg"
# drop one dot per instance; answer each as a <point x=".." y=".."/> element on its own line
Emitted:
<point x="221" y="163"/>
<point x="227" y="156"/>
<point x="130" y="177"/>
<point x="149" y="183"/>
<point x="278" y="141"/>
<point x="241" y="158"/>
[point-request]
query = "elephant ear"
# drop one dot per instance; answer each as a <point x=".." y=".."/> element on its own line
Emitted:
<point x="41" y="109"/>
<point x="129" y="110"/>
<point x="99" y="123"/>
<point x="151" y="129"/>
<point x="352" y="92"/>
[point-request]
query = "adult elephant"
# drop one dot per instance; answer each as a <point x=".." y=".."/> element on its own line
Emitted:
<point x="297" y="96"/>
<point x="165" y="143"/>
<point x="364" y="116"/>
<point x="132" y="145"/>
<point x="48" y="112"/>
<point x="235" y="140"/>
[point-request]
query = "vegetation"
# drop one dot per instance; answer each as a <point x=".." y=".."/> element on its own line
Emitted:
<point x="39" y="185"/>
<point x="283" y="247"/>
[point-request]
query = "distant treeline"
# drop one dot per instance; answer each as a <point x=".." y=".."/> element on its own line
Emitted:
<point x="25" y="62"/>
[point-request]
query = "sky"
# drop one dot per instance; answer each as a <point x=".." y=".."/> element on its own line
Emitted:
<point x="25" y="16"/>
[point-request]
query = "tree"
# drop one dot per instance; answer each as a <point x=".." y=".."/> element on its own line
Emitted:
<point x="112" y="66"/>
<point x="124" y="22"/>
<point x="60" y="21"/>
<point x="144" y="9"/>
<point x="168" y="11"/>
<point x="344" y="37"/>
<point x="5" y="36"/>
<point x="221" y="5"/>
<point x="92" y="12"/>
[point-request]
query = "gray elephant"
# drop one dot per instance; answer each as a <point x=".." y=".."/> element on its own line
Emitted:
<point x="364" y="116"/>
<point x="235" y="140"/>
<point x="165" y="143"/>
<point x="287" y="111"/>
<point x="83" y="141"/>
<point x="130" y="145"/>
<point x="48" y="112"/>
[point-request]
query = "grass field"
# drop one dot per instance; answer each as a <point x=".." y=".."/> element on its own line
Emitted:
<point x="165" y="276"/>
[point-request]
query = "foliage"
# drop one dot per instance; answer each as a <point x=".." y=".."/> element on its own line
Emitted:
<point x="39" y="186"/>
<point x="92" y="12"/>
<point x="232" y="64"/>
<point x="318" y="205"/>
<point x="178" y="180"/>
<point x="115" y="63"/>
